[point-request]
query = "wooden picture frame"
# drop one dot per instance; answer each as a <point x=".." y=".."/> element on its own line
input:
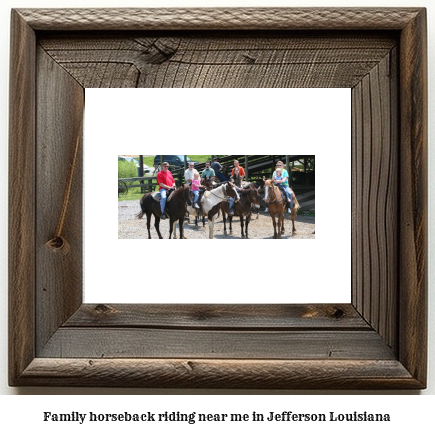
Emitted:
<point x="377" y="341"/>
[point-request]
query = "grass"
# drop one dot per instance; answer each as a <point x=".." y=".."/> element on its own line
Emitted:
<point x="133" y="194"/>
<point x="149" y="161"/>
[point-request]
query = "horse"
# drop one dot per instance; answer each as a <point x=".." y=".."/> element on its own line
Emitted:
<point x="243" y="208"/>
<point x="176" y="209"/>
<point x="278" y="205"/>
<point x="211" y="203"/>
<point x="208" y="184"/>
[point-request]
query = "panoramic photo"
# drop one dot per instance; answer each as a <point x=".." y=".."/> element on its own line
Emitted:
<point x="216" y="196"/>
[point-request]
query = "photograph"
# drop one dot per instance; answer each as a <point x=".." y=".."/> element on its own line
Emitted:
<point x="216" y="196"/>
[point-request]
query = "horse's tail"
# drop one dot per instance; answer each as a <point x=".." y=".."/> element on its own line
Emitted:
<point x="296" y="203"/>
<point x="142" y="206"/>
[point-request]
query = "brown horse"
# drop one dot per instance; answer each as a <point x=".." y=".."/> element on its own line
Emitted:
<point x="277" y="206"/>
<point x="176" y="209"/>
<point x="243" y="208"/>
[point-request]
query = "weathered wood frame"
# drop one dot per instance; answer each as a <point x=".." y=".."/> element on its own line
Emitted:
<point x="378" y="341"/>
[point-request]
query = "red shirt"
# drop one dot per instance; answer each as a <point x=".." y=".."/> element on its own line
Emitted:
<point x="165" y="178"/>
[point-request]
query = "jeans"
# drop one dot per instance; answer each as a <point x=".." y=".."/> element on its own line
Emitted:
<point x="196" y="194"/>
<point x="221" y="176"/>
<point x="163" y="194"/>
<point x="231" y="203"/>
<point x="288" y="194"/>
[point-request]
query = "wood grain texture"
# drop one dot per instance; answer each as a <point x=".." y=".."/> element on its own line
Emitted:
<point x="413" y="188"/>
<point x="59" y="278"/>
<point x="375" y="198"/>
<point x="95" y="342"/>
<point x="379" y="342"/>
<point x="229" y="374"/>
<point x="220" y="317"/>
<point x="22" y="197"/>
<point x="220" y="18"/>
<point x="236" y="60"/>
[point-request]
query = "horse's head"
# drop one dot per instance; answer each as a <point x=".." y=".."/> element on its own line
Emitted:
<point x="268" y="188"/>
<point x="207" y="183"/>
<point x="254" y="194"/>
<point x="231" y="191"/>
<point x="186" y="194"/>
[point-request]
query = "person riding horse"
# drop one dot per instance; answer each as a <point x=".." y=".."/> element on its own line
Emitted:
<point x="166" y="184"/>
<point x="281" y="180"/>
<point x="208" y="172"/>
<point x="196" y="186"/>
<point x="217" y="167"/>
<point x="190" y="172"/>
<point x="237" y="179"/>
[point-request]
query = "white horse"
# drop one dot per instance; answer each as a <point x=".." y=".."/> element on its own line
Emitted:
<point x="210" y="201"/>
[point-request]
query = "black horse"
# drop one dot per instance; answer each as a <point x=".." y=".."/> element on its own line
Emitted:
<point x="243" y="208"/>
<point x="176" y="209"/>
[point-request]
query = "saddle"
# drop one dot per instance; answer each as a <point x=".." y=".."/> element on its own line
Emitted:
<point x="283" y="195"/>
<point x="157" y="196"/>
<point x="200" y="210"/>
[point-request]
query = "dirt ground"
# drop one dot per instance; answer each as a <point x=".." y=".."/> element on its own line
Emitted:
<point x="129" y="227"/>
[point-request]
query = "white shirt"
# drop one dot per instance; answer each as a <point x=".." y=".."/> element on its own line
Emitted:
<point x="188" y="174"/>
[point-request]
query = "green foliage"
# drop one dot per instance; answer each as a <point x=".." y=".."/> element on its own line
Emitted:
<point x="133" y="194"/>
<point x="149" y="161"/>
<point x="126" y="170"/>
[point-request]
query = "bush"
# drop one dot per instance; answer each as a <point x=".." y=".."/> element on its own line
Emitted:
<point x="126" y="170"/>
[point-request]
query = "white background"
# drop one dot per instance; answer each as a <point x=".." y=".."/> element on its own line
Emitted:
<point x="225" y="121"/>
<point x="413" y="413"/>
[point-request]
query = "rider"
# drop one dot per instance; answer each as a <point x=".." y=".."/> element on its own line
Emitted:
<point x="196" y="185"/>
<point x="236" y="178"/>
<point x="166" y="182"/>
<point x="280" y="177"/>
<point x="208" y="172"/>
<point x="217" y="167"/>
<point x="190" y="172"/>
<point x="241" y="169"/>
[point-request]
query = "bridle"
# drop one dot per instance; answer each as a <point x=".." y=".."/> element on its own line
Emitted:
<point x="274" y="187"/>
<point x="223" y="191"/>
<point x="184" y="195"/>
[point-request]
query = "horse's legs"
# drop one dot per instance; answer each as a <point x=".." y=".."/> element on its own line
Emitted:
<point x="211" y="226"/>
<point x="280" y="223"/>
<point x="157" y="226"/>
<point x="149" y="225"/>
<point x="293" y="222"/>
<point x="181" y="224"/>
<point x="274" y="225"/>
<point x="230" y="218"/>
<point x="242" y="225"/>
<point x="225" y="222"/>
<point x="203" y="221"/>
<point x="173" y="228"/>
<point x="196" y="222"/>
<point x="248" y="220"/>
